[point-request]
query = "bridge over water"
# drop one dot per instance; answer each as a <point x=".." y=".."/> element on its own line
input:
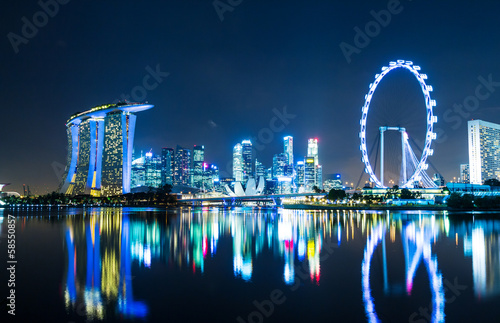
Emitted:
<point x="269" y="199"/>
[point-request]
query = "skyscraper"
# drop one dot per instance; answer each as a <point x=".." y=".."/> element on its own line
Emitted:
<point x="309" y="174"/>
<point x="182" y="163"/>
<point x="100" y="143"/>
<point x="152" y="169"/>
<point x="279" y="165"/>
<point x="167" y="166"/>
<point x="138" y="173"/>
<point x="300" y="173"/>
<point x="260" y="170"/>
<point x="198" y="160"/>
<point x="464" y="173"/>
<point x="312" y="152"/>
<point x="211" y="178"/>
<point x="247" y="159"/>
<point x="288" y="149"/>
<point x="319" y="176"/>
<point x="484" y="151"/>
<point x="312" y="149"/>
<point x="238" y="163"/>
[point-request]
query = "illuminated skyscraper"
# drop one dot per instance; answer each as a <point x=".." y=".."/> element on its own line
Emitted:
<point x="238" y="163"/>
<point x="247" y="159"/>
<point x="211" y="180"/>
<point x="182" y="163"/>
<point x="138" y="173"/>
<point x="309" y="174"/>
<point x="464" y="173"/>
<point x="152" y="168"/>
<point x="319" y="176"/>
<point x="260" y="170"/>
<point x="312" y="150"/>
<point x="300" y="173"/>
<point x="288" y="149"/>
<point x="198" y="160"/>
<point x="484" y="151"/>
<point x="279" y="164"/>
<point x="167" y="166"/>
<point x="100" y="143"/>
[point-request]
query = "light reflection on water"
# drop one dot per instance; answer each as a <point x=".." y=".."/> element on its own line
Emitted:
<point x="416" y="241"/>
<point x="112" y="241"/>
<point x="103" y="245"/>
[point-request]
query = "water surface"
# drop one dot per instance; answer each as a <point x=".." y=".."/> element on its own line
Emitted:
<point x="253" y="265"/>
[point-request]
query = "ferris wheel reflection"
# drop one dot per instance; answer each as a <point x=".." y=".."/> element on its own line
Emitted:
<point x="417" y="243"/>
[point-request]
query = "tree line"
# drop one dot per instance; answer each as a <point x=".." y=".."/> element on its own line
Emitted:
<point x="156" y="197"/>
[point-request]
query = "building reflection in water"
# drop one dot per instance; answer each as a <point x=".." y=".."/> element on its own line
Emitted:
<point x="482" y="244"/>
<point x="103" y="244"/>
<point x="99" y="247"/>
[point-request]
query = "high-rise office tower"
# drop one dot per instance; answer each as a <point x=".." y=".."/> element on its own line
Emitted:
<point x="312" y="149"/>
<point x="210" y="177"/>
<point x="279" y="164"/>
<point x="312" y="152"/>
<point x="247" y="159"/>
<point x="167" y="166"/>
<point x="238" y="163"/>
<point x="484" y="151"/>
<point x="319" y="176"/>
<point x="309" y="174"/>
<point x="100" y="143"/>
<point x="260" y="170"/>
<point x="300" y="173"/>
<point x="269" y="173"/>
<point x="182" y="165"/>
<point x="152" y="169"/>
<point x="288" y="149"/>
<point x="146" y="171"/>
<point x="198" y="160"/>
<point x="138" y="173"/>
<point x="464" y="173"/>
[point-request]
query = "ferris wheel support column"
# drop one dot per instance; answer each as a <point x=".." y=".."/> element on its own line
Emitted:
<point x="403" y="143"/>
<point x="382" y="129"/>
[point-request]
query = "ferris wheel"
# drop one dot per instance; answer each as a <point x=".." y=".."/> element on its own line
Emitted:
<point x="413" y="168"/>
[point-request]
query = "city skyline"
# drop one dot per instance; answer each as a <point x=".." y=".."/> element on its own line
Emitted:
<point x="216" y="82"/>
<point x="250" y="161"/>
<point x="151" y="170"/>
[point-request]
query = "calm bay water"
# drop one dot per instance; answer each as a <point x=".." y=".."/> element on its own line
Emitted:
<point x="252" y="265"/>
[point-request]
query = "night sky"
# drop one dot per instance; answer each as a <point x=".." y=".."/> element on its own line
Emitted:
<point x="228" y="77"/>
